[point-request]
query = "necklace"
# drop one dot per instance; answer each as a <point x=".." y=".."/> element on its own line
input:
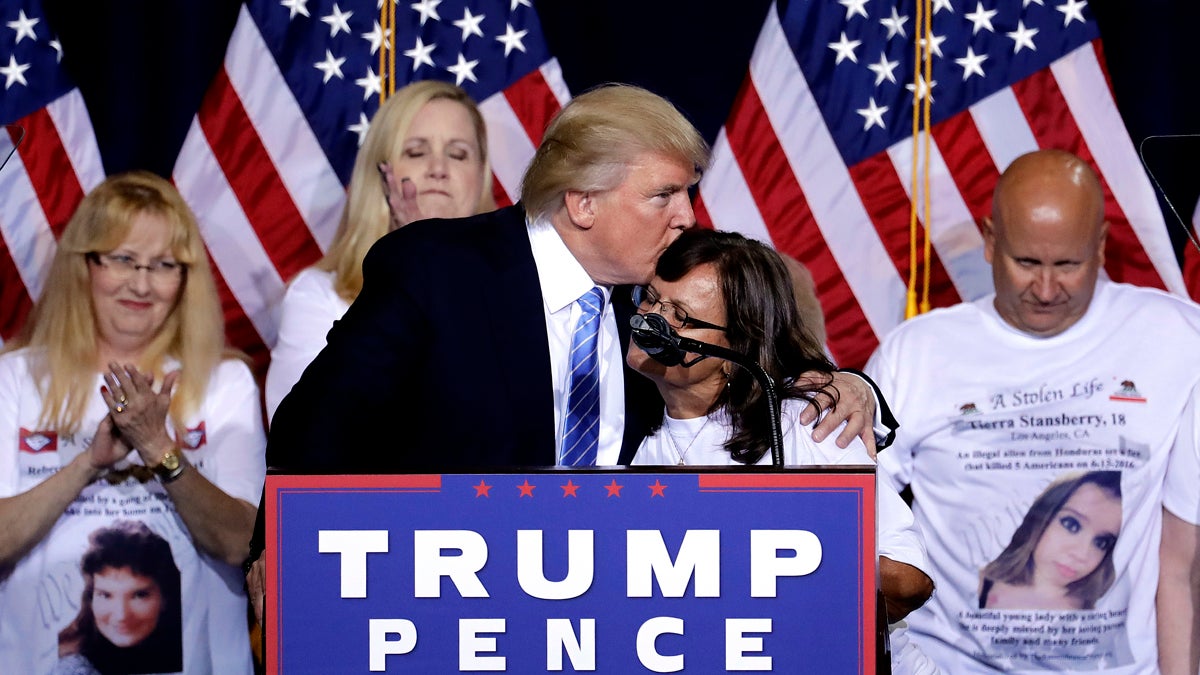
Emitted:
<point x="682" y="454"/>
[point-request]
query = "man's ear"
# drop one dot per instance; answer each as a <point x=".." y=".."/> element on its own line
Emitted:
<point x="987" y="229"/>
<point x="581" y="208"/>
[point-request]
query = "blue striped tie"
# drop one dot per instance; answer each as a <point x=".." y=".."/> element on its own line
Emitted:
<point x="582" y="436"/>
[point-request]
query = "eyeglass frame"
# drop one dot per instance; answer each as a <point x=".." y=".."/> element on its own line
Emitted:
<point x="128" y="266"/>
<point x="643" y="292"/>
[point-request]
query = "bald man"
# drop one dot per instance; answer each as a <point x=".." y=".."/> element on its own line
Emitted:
<point x="1036" y="425"/>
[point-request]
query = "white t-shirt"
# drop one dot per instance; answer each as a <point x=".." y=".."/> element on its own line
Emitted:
<point x="225" y="442"/>
<point x="701" y="442"/>
<point x="309" y="309"/>
<point x="1181" y="491"/>
<point x="989" y="417"/>
<point x="673" y="444"/>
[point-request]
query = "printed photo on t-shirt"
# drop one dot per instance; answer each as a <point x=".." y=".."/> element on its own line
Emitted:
<point x="1060" y="557"/>
<point x="130" y="618"/>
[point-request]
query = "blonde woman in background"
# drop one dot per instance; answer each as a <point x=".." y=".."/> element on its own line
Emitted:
<point x="425" y="156"/>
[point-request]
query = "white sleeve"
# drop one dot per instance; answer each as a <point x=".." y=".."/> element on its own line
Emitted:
<point x="1181" y="491"/>
<point x="305" y="316"/>
<point x="233" y="425"/>
<point x="10" y="437"/>
<point x="897" y="531"/>
<point x="895" y="462"/>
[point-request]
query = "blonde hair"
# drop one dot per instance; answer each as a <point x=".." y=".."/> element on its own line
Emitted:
<point x="62" y="325"/>
<point x="365" y="217"/>
<point x="590" y="143"/>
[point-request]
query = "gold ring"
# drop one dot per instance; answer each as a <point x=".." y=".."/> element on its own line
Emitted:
<point x="119" y="408"/>
<point x="122" y="400"/>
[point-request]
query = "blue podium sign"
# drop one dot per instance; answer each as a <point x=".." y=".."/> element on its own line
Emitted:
<point x="610" y="571"/>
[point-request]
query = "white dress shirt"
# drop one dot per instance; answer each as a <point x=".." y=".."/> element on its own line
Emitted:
<point x="563" y="281"/>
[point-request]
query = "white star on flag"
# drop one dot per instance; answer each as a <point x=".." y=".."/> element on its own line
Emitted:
<point x="895" y="24"/>
<point x="427" y="9"/>
<point x="845" y="48"/>
<point x="469" y="24"/>
<point x="883" y="70"/>
<point x="972" y="63"/>
<point x="463" y="70"/>
<point x="873" y="114"/>
<point x="295" y="7"/>
<point x="511" y="39"/>
<point x="921" y="90"/>
<point x="14" y="72"/>
<point x="360" y="127"/>
<point x="338" y="21"/>
<point x="370" y="83"/>
<point x="420" y="54"/>
<point x="24" y="27"/>
<point x="1072" y="10"/>
<point x="331" y="66"/>
<point x="1022" y="37"/>
<point x="375" y="37"/>
<point x="981" y="18"/>
<point x="937" y="41"/>
<point x="854" y="7"/>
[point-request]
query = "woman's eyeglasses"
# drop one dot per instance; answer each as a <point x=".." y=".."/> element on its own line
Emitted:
<point x="646" y="299"/>
<point x="123" y="267"/>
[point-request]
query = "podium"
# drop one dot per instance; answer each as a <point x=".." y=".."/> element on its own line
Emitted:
<point x="595" y="570"/>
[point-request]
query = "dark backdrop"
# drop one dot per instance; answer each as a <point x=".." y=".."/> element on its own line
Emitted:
<point x="143" y="67"/>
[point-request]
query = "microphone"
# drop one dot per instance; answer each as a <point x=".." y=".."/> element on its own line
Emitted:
<point x="654" y="335"/>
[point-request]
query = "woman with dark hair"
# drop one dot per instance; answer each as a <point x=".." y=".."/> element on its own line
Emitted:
<point x="1060" y="556"/>
<point x="130" y="620"/>
<point x="724" y="289"/>
<point x="730" y="291"/>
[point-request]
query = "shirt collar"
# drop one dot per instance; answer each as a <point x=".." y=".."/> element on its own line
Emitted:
<point x="562" y="278"/>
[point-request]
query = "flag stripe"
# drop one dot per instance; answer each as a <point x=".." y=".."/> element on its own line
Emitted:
<point x="260" y="191"/>
<point x="1055" y="127"/>
<point x="1079" y="75"/>
<point x="956" y="240"/>
<point x="819" y="168"/>
<point x="533" y="103"/>
<point x="252" y="279"/>
<point x="884" y="194"/>
<point x="239" y="330"/>
<point x="43" y="155"/>
<point x="966" y="156"/>
<point x="763" y="162"/>
<point x="277" y="119"/>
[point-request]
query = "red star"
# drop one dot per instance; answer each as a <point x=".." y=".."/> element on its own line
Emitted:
<point x="614" y="490"/>
<point x="482" y="489"/>
<point x="570" y="489"/>
<point x="656" y="490"/>
<point x="526" y="489"/>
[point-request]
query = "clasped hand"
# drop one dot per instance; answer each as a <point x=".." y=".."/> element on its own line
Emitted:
<point x="137" y="416"/>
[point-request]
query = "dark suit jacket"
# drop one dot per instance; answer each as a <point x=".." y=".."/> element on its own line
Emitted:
<point x="441" y="362"/>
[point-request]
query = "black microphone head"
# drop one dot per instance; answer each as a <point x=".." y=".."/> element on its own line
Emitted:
<point x="653" y="335"/>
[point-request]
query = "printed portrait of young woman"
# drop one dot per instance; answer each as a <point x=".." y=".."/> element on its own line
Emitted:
<point x="1060" y="557"/>
<point x="130" y="620"/>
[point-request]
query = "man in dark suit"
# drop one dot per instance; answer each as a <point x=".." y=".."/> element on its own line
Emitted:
<point x="457" y="352"/>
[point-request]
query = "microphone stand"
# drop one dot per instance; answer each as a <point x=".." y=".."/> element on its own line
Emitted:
<point x="654" y="335"/>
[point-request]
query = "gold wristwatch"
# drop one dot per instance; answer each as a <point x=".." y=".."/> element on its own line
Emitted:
<point x="169" y="467"/>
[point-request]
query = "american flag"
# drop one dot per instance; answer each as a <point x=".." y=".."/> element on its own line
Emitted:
<point x="815" y="156"/>
<point x="267" y="156"/>
<point x="56" y="163"/>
